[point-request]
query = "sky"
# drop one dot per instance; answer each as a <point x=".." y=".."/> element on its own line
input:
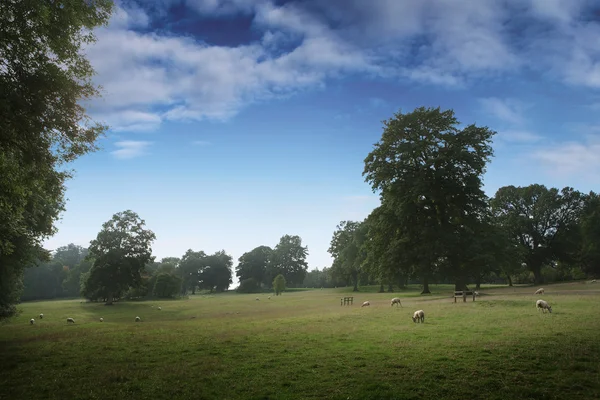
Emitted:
<point x="235" y="122"/>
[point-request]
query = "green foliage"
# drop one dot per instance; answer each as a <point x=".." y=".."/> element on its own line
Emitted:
<point x="216" y="274"/>
<point x="167" y="285"/>
<point x="288" y="258"/>
<point x="539" y="221"/>
<point x="249" y="285"/>
<point x="253" y="264"/>
<point x="44" y="76"/>
<point x="190" y="267"/>
<point x="347" y="250"/>
<point x="428" y="173"/>
<point x="589" y="252"/>
<point x="279" y="284"/>
<point x="121" y="251"/>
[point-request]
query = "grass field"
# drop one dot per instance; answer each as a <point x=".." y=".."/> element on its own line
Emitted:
<point x="304" y="345"/>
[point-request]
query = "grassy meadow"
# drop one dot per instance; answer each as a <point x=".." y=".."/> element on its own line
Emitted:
<point x="304" y="345"/>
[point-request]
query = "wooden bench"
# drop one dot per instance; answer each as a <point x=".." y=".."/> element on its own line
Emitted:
<point x="464" y="294"/>
<point x="346" y="301"/>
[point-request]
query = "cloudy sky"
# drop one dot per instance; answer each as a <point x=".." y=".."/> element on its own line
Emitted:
<point x="234" y="122"/>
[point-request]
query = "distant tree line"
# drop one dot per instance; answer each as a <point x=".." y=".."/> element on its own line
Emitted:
<point x="435" y="223"/>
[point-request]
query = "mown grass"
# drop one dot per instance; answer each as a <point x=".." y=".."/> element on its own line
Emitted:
<point x="304" y="345"/>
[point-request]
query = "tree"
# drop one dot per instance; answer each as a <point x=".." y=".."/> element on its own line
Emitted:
<point x="216" y="273"/>
<point x="428" y="172"/>
<point x="120" y="251"/>
<point x="289" y="258"/>
<point x="249" y="285"/>
<point x="589" y="250"/>
<point x="166" y="285"/>
<point x="190" y="267"/>
<point x="44" y="76"/>
<point x="347" y="250"/>
<point x="538" y="221"/>
<point x="279" y="284"/>
<point x="253" y="264"/>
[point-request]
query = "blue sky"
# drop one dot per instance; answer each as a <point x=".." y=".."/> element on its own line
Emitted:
<point x="234" y="122"/>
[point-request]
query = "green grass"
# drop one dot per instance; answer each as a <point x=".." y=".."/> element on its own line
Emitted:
<point x="304" y="345"/>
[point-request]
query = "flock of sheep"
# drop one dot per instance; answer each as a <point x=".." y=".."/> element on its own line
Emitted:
<point x="419" y="315"/>
<point x="72" y="321"/>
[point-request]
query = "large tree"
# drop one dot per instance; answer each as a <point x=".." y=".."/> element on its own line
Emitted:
<point x="539" y="221"/>
<point x="428" y="172"/>
<point x="347" y="250"/>
<point x="253" y="264"/>
<point x="44" y="76"/>
<point x="216" y="273"/>
<point x="590" y="235"/>
<point x="120" y="251"/>
<point x="288" y="258"/>
<point x="190" y="267"/>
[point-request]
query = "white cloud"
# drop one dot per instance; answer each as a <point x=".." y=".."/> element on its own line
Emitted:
<point x="130" y="149"/>
<point x="572" y="158"/>
<point x="507" y="110"/>
<point x="516" y="136"/>
<point x="439" y="42"/>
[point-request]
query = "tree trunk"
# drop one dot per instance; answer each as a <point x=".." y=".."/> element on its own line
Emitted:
<point x="401" y="282"/>
<point x="509" y="280"/>
<point x="537" y="274"/>
<point x="426" y="286"/>
<point x="355" y="281"/>
<point x="478" y="282"/>
<point x="381" y="290"/>
<point x="459" y="284"/>
<point x="109" y="300"/>
<point x="390" y="288"/>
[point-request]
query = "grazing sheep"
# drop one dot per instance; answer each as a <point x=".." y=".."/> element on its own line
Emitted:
<point x="101" y="319"/>
<point x="257" y="299"/>
<point x="593" y="281"/>
<point x="476" y="294"/>
<point x="32" y="321"/>
<point x="419" y="315"/>
<point x="137" y="319"/>
<point x="366" y="303"/>
<point x="41" y="316"/>
<point x="70" y="320"/>
<point x="543" y="305"/>
<point x="269" y="297"/>
<point x="396" y="300"/>
<point x="159" y="308"/>
<point x="539" y="291"/>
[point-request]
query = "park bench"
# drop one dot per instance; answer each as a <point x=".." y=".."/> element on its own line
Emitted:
<point x="463" y="294"/>
<point x="346" y="301"/>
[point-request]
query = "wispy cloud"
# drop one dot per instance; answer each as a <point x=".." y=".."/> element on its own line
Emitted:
<point x="507" y="110"/>
<point x="516" y="136"/>
<point x="435" y="42"/>
<point x="130" y="149"/>
<point x="573" y="158"/>
<point x="200" y="143"/>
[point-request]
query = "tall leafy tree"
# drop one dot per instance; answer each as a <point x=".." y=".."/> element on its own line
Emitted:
<point x="217" y="271"/>
<point x="428" y="171"/>
<point x="589" y="235"/>
<point x="538" y="221"/>
<point x="44" y="76"/>
<point x="289" y="258"/>
<point x="279" y="284"/>
<point x="347" y="249"/>
<point x="253" y="264"/>
<point x="120" y="251"/>
<point x="190" y="267"/>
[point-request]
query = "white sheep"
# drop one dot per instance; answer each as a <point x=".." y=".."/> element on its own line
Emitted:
<point x="366" y="303"/>
<point x="159" y="308"/>
<point x="543" y="305"/>
<point x="101" y="319"/>
<point x="41" y="316"/>
<point x="32" y="321"/>
<point x="593" y="281"/>
<point x="419" y="315"/>
<point x="539" y="291"/>
<point x="137" y="319"/>
<point x="70" y="320"/>
<point x="257" y="299"/>
<point x="476" y="294"/>
<point x="269" y="297"/>
<point x="396" y="300"/>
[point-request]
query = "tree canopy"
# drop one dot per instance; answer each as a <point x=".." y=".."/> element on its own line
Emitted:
<point x="44" y="77"/>
<point x="120" y="252"/>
